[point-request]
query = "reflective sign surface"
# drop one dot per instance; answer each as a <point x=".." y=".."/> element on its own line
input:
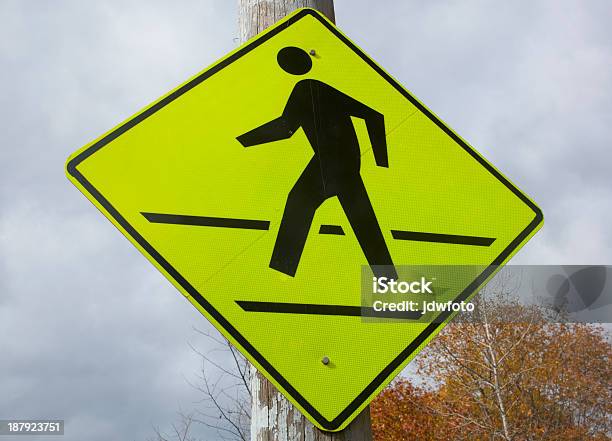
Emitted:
<point x="262" y="186"/>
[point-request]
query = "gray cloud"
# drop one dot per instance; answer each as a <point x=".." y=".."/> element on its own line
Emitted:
<point x="526" y="83"/>
<point x="90" y="331"/>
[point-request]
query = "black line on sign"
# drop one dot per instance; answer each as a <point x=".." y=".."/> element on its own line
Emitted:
<point x="331" y="229"/>
<point x="442" y="238"/>
<point x="206" y="221"/>
<point x="314" y="309"/>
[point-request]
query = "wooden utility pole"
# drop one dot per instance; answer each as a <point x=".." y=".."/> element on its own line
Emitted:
<point x="273" y="418"/>
<point x="256" y="15"/>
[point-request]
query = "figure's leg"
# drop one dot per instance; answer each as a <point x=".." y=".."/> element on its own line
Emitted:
<point x="303" y="200"/>
<point x="358" y="208"/>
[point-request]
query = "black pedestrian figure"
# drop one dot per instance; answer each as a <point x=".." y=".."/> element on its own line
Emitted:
<point x="324" y="114"/>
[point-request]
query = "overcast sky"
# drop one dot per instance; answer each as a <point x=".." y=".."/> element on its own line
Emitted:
<point x="89" y="330"/>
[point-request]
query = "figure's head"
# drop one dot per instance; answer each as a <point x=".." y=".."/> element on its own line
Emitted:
<point x="294" y="60"/>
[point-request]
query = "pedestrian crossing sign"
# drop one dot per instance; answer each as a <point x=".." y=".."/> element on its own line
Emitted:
<point x="273" y="186"/>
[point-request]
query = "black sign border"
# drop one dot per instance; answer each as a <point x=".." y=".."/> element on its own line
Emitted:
<point x="332" y="425"/>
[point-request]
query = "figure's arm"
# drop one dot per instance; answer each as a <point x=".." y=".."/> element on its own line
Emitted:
<point x="375" y="122"/>
<point x="282" y="127"/>
<point x="275" y="130"/>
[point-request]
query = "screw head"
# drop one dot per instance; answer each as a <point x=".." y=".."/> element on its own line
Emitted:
<point x="313" y="52"/>
<point x="325" y="360"/>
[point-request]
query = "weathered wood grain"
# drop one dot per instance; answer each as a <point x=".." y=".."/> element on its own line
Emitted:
<point x="256" y="15"/>
<point x="273" y="418"/>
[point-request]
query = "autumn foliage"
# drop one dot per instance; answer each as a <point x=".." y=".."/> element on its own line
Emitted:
<point x="524" y="379"/>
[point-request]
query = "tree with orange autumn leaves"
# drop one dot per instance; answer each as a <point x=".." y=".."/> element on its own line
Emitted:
<point x="506" y="374"/>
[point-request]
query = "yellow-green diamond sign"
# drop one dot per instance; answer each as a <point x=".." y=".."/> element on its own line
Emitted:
<point x="264" y="185"/>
